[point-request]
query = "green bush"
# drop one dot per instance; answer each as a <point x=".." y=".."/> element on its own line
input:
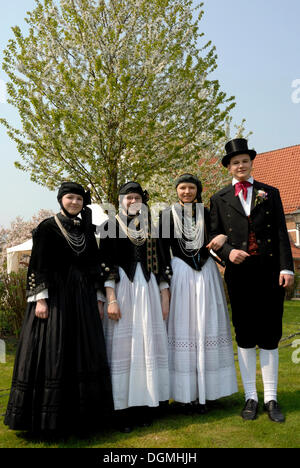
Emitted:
<point x="12" y="302"/>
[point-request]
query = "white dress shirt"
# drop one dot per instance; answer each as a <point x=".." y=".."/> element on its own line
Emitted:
<point x="246" y="204"/>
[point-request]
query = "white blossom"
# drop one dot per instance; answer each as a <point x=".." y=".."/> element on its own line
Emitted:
<point x="113" y="95"/>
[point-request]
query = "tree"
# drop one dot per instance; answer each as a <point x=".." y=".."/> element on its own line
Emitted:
<point x="112" y="90"/>
<point x="206" y="165"/>
<point x="18" y="232"/>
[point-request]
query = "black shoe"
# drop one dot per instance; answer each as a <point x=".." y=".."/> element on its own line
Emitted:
<point x="162" y="410"/>
<point x="274" y="412"/>
<point x="187" y="409"/>
<point x="143" y="416"/>
<point x="199" y="408"/>
<point x="124" y="421"/>
<point x="146" y="423"/>
<point x="249" y="412"/>
<point x="183" y="408"/>
<point x="125" y="429"/>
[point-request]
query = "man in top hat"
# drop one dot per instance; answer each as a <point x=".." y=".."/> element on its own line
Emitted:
<point x="259" y="267"/>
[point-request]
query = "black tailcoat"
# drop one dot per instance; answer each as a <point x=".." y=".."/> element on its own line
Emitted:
<point x="253" y="286"/>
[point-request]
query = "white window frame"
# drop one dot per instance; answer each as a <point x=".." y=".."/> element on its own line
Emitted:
<point x="297" y="231"/>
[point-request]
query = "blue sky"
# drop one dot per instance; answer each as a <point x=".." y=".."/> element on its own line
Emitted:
<point x="258" y="60"/>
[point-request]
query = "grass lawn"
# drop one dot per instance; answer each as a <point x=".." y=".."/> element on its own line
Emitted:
<point x="221" y="427"/>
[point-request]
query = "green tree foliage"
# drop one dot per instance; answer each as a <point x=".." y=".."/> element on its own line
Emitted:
<point x="206" y="164"/>
<point x="113" y="90"/>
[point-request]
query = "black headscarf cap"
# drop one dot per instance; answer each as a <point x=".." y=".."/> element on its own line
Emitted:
<point x="73" y="187"/>
<point x="190" y="178"/>
<point x="134" y="187"/>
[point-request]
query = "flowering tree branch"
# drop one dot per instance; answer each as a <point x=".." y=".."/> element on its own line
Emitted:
<point x="108" y="91"/>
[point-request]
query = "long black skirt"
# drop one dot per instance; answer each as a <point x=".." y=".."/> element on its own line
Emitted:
<point x="61" y="378"/>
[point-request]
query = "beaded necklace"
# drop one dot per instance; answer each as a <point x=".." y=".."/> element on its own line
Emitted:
<point x="188" y="230"/>
<point x="76" y="242"/>
<point x="136" y="236"/>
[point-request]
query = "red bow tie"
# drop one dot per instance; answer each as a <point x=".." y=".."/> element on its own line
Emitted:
<point x="242" y="186"/>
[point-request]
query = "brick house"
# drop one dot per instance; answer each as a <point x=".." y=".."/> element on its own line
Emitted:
<point x="281" y="168"/>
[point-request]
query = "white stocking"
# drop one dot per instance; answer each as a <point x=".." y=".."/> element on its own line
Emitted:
<point x="269" y="368"/>
<point x="247" y="362"/>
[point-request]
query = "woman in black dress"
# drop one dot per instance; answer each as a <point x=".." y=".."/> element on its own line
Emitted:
<point x="137" y="305"/>
<point x="61" y="378"/>
<point x="201" y="360"/>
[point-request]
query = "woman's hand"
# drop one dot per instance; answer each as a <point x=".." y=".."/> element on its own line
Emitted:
<point x="165" y="302"/>
<point x="101" y="309"/>
<point x="217" y="242"/>
<point x="41" y="309"/>
<point x="113" y="311"/>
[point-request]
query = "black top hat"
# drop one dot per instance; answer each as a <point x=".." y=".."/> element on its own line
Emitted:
<point x="235" y="147"/>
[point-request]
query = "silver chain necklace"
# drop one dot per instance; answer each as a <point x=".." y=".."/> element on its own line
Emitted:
<point x="188" y="231"/>
<point x="137" y="237"/>
<point x="76" y="242"/>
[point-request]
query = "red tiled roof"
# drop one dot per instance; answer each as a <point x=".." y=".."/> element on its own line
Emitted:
<point x="281" y="168"/>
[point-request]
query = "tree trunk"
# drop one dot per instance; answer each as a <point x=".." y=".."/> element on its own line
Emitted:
<point x="112" y="184"/>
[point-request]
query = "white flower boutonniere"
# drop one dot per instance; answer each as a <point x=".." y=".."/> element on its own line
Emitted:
<point x="260" y="197"/>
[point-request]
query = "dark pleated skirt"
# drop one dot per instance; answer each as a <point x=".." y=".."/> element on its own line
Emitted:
<point x="61" y="379"/>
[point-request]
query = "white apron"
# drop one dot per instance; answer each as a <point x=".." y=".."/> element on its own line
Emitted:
<point x="137" y="345"/>
<point x="201" y="359"/>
